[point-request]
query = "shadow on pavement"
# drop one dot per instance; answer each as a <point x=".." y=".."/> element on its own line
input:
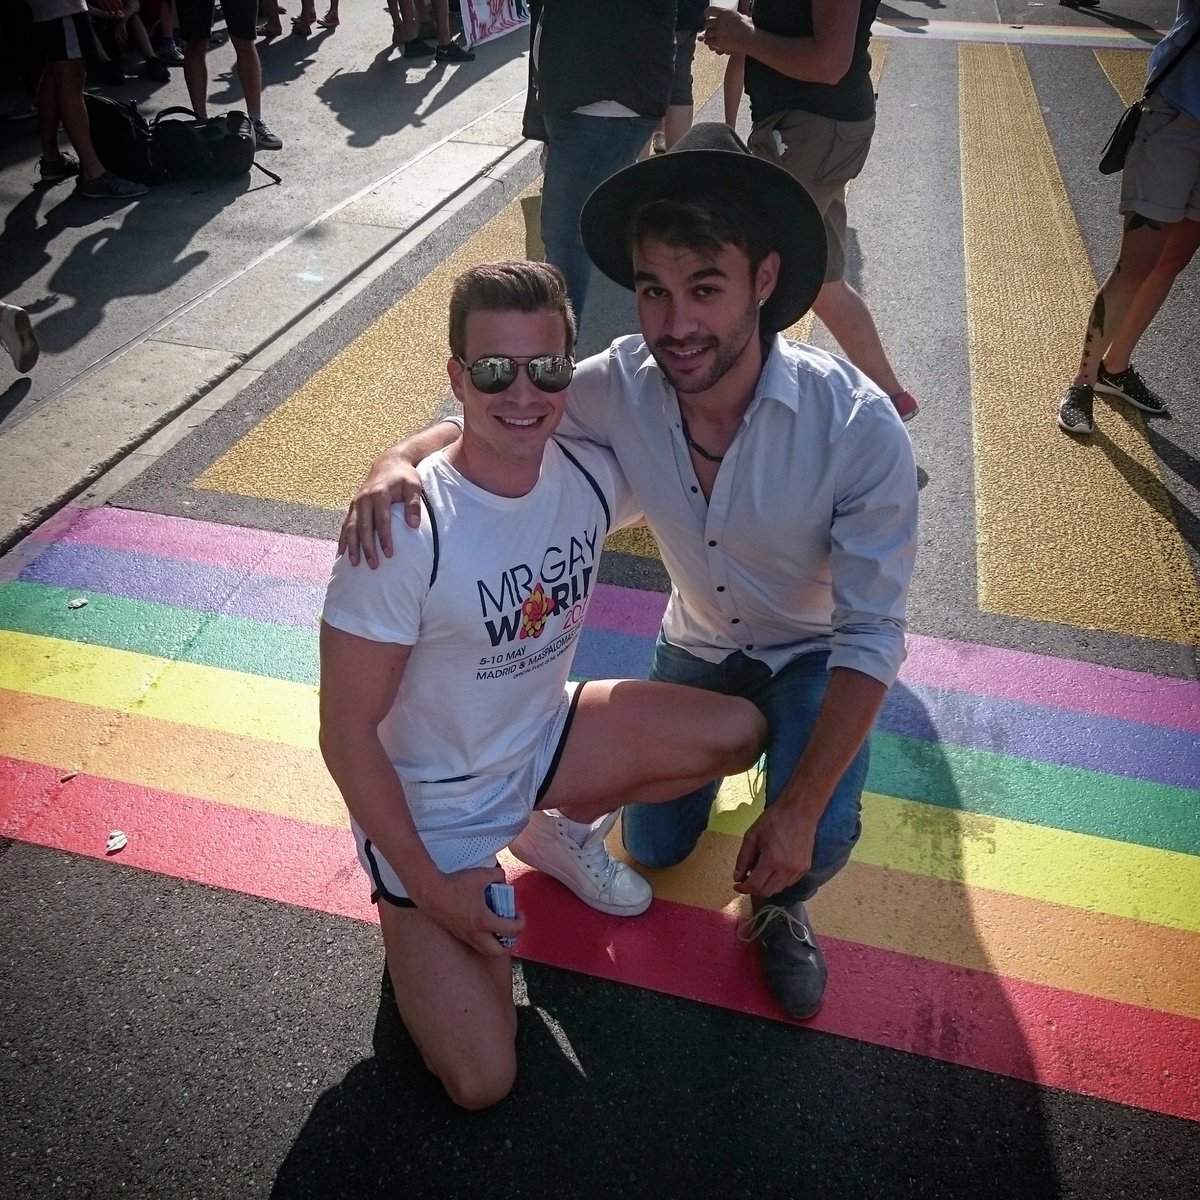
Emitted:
<point x="622" y="1090"/>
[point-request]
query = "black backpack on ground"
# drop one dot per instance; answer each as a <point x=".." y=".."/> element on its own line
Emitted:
<point x="122" y="138"/>
<point x="185" y="147"/>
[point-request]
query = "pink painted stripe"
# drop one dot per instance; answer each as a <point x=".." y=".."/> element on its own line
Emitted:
<point x="1043" y="1035"/>
<point x="279" y="555"/>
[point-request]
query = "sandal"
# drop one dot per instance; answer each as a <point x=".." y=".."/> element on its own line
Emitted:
<point x="301" y="27"/>
<point x="268" y="31"/>
<point x="328" y="21"/>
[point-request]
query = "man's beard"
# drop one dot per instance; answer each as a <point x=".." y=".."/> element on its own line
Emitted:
<point x="726" y="355"/>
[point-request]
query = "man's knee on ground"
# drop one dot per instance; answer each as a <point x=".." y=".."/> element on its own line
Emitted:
<point x="479" y="1085"/>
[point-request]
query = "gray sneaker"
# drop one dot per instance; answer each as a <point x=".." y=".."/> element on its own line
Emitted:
<point x="264" y="139"/>
<point x="792" y="960"/>
<point x="110" y="187"/>
<point x="18" y="338"/>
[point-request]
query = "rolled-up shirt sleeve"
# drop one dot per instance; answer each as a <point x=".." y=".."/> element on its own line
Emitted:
<point x="873" y="541"/>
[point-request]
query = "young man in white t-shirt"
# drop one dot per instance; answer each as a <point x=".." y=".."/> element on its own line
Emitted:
<point x="448" y="719"/>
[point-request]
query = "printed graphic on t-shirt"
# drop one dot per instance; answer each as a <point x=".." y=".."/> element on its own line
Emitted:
<point x="533" y="612"/>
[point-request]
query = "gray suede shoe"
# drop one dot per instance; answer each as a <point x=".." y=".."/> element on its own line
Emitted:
<point x="792" y="961"/>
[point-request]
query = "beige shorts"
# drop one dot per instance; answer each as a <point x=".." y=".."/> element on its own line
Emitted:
<point x="1161" y="179"/>
<point x="463" y="822"/>
<point x="823" y="155"/>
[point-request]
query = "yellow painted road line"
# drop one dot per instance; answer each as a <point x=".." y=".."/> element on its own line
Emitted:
<point x="316" y="447"/>
<point x="1075" y="531"/>
<point x="1126" y="72"/>
<point x="251" y="706"/>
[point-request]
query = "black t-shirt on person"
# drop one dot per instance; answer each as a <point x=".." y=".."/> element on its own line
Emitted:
<point x="850" y="99"/>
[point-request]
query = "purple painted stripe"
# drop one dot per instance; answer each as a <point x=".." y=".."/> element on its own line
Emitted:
<point x="206" y="589"/>
<point x="1015" y="675"/>
<point x="284" y="556"/>
<point x="1054" y="682"/>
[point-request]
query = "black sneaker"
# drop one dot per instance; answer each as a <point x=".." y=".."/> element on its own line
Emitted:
<point x="156" y="69"/>
<point x="453" y="52"/>
<point x="110" y="187"/>
<point x="1075" y="409"/>
<point x="112" y="73"/>
<point x="55" y="170"/>
<point x="264" y="139"/>
<point x="1129" y="385"/>
<point x="419" y="48"/>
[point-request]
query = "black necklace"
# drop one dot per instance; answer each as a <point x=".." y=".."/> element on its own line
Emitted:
<point x="700" y="450"/>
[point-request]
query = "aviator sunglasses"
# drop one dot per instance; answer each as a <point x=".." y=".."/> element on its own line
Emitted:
<point x="495" y="372"/>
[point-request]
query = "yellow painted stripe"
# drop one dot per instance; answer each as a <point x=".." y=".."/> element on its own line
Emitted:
<point x="387" y="382"/>
<point x="1065" y="525"/>
<point x="1125" y="880"/>
<point x="252" y="706"/>
<point x="1095" y="874"/>
<point x="1126" y="71"/>
<point x="1093" y="954"/>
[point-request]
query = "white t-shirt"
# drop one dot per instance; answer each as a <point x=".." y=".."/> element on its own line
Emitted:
<point x="491" y="593"/>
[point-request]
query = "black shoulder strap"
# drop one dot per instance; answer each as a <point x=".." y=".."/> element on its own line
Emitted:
<point x="1151" y="84"/>
<point x="437" y="544"/>
<point x="595" y="486"/>
<point x="175" y="110"/>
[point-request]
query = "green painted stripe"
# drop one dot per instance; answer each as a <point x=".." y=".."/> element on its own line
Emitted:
<point x="1036" y="793"/>
<point x="981" y="782"/>
<point x="143" y="627"/>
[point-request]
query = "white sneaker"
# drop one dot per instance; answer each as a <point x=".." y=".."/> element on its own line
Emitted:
<point x="588" y="869"/>
<point x="17" y="337"/>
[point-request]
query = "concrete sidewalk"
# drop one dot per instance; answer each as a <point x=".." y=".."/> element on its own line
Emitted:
<point x="271" y="267"/>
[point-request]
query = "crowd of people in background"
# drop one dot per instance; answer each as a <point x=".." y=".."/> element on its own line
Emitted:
<point x="611" y="83"/>
<point x="61" y="43"/>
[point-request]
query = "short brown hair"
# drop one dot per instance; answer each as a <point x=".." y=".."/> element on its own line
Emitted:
<point x="511" y="285"/>
<point x="704" y="224"/>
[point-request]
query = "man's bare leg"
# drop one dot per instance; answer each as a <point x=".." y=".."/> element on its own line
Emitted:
<point x="845" y="314"/>
<point x="1178" y="250"/>
<point x="456" y="1004"/>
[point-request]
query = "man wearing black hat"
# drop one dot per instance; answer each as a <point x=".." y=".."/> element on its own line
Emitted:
<point x="780" y="485"/>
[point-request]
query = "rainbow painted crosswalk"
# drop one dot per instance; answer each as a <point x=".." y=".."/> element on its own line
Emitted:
<point x="1025" y="899"/>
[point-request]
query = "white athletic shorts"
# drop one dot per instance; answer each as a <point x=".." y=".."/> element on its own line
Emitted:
<point x="465" y="821"/>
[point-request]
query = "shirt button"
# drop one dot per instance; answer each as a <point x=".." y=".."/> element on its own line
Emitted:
<point x="750" y="647"/>
<point x="694" y="490"/>
<point x="736" y="621"/>
<point x="712" y="543"/>
<point x="720" y="587"/>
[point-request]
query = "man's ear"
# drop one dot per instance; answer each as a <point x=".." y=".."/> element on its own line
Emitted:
<point x="766" y="277"/>
<point x="455" y="370"/>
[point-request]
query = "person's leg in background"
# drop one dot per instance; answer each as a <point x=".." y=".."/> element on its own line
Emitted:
<point x="583" y="152"/>
<point x="825" y="155"/>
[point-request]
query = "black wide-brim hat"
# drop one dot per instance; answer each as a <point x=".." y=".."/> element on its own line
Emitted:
<point x="711" y="157"/>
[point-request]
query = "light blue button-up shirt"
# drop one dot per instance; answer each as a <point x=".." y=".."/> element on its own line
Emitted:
<point x="809" y="537"/>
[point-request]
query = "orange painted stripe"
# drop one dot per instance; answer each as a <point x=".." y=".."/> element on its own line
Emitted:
<point x="1116" y="958"/>
<point x="227" y="768"/>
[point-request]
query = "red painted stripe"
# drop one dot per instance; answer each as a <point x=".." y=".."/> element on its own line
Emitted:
<point x="1047" y="1036"/>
